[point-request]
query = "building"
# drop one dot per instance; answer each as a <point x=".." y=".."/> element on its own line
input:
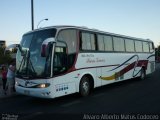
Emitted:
<point x="2" y="43"/>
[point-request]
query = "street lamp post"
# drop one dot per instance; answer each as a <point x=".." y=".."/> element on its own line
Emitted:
<point x="41" y="21"/>
<point x="32" y="15"/>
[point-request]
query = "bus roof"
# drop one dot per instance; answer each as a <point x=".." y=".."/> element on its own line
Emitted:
<point x="59" y="27"/>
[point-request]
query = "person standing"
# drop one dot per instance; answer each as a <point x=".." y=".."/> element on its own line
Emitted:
<point x="4" y="76"/>
<point x="10" y="78"/>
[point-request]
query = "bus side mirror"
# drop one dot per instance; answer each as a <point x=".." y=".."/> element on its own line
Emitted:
<point x="44" y="50"/>
<point x="45" y="46"/>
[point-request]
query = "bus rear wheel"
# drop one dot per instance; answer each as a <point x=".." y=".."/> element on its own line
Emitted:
<point x="84" y="87"/>
<point x="143" y="74"/>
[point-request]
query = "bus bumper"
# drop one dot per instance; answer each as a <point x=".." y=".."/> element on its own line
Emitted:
<point x="38" y="92"/>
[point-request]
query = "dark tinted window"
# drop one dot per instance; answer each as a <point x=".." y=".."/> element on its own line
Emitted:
<point x="32" y="64"/>
<point x="118" y="44"/>
<point x="105" y="43"/>
<point x="145" y="47"/>
<point x="100" y="43"/>
<point x="108" y="43"/>
<point x="138" y="46"/>
<point x="151" y="47"/>
<point x="88" y="41"/>
<point x="129" y="45"/>
<point x="70" y="37"/>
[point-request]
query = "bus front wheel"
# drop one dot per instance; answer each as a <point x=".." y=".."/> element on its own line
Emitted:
<point x="84" y="87"/>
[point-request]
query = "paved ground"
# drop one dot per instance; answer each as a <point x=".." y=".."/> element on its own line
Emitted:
<point x="2" y="95"/>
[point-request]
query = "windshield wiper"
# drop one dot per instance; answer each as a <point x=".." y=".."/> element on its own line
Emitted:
<point x="29" y="61"/>
<point x="22" y="54"/>
<point x="25" y="60"/>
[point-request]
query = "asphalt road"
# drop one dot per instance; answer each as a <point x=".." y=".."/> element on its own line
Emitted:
<point x="129" y="97"/>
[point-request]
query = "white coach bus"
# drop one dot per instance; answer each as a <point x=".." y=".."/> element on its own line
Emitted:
<point x="61" y="60"/>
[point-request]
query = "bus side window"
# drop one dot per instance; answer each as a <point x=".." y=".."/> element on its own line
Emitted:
<point x="129" y="45"/>
<point x="138" y="46"/>
<point x="60" y="60"/>
<point x="105" y="43"/>
<point x="118" y="44"/>
<point x="151" y="47"/>
<point x="145" y="47"/>
<point x="69" y="36"/>
<point x="88" y="41"/>
<point x="108" y="43"/>
<point x="101" y="44"/>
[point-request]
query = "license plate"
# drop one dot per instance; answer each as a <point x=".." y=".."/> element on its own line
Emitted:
<point x="26" y="92"/>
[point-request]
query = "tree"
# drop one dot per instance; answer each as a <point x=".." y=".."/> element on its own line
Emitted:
<point x="4" y="58"/>
<point x="158" y="50"/>
<point x="157" y="53"/>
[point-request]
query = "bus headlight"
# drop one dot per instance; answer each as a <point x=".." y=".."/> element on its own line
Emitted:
<point x="16" y="83"/>
<point x="43" y="85"/>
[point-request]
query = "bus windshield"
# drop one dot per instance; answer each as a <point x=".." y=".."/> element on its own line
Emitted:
<point x="30" y="63"/>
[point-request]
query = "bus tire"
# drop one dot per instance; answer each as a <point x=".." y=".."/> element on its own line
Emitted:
<point x="85" y="86"/>
<point x="143" y="74"/>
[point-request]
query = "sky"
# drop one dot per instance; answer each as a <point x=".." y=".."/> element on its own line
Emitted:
<point x="136" y="18"/>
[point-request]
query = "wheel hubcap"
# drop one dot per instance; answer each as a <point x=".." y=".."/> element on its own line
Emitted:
<point x="142" y="75"/>
<point x="85" y="87"/>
